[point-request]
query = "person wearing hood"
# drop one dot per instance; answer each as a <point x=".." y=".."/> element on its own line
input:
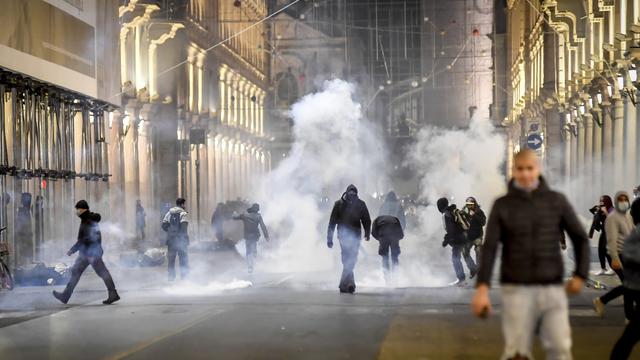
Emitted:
<point x="141" y="223"/>
<point x="528" y="222"/>
<point x="217" y="222"/>
<point x="176" y="225"/>
<point x="350" y="215"/>
<point x="253" y="223"/>
<point x="392" y="207"/>
<point x="600" y="212"/>
<point x="618" y="226"/>
<point x="477" y="221"/>
<point x="456" y="237"/>
<point x="89" y="247"/>
<point x="631" y="254"/>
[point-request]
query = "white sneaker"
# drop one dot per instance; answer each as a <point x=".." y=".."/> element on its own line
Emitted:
<point x="599" y="272"/>
<point x="609" y="272"/>
<point x="458" y="283"/>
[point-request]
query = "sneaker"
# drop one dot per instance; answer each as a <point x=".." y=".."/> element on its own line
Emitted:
<point x="598" y="306"/>
<point x="609" y="272"/>
<point x="351" y="289"/>
<point x="473" y="274"/>
<point x="599" y="272"/>
<point x="60" y="296"/>
<point x="113" y="297"/>
<point x="458" y="282"/>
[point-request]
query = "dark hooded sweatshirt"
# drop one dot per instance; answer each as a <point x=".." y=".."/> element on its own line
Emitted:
<point x="349" y="215"/>
<point x="529" y="226"/>
<point x="89" y="237"/>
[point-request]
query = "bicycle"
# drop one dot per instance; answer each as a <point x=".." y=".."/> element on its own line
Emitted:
<point x="6" y="278"/>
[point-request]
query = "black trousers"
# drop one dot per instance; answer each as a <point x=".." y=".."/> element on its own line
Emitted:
<point x="179" y="251"/>
<point x="389" y="246"/>
<point x="618" y="291"/>
<point x="81" y="264"/>
<point x="602" y="250"/>
<point x="631" y="334"/>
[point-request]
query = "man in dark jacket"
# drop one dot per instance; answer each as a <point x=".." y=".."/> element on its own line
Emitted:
<point x="217" y="222"/>
<point x="388" y="231"/>
<point x="253" y="223"/>
<point x="89" y="245"/>
<point x="350" y="215"/>
<point x="176" y="224"/>
<point x="528" y="222"/>
<point x="457" y="238"/>
<point x="477" y="221"/>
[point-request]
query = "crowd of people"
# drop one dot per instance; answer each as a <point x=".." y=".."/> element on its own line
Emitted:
<point x="529" y="223"/>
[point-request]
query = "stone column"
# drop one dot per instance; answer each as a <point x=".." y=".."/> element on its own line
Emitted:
<point x="630" y="148"/>
<point x="588" y="155"/>
<point x="618" y="144"/>
<point x="597" y="155"/>
<point x="607" y="149"/>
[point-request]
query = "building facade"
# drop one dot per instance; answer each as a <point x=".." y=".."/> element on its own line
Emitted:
<point x="194" y="74"/>
<point x="572" y="90"/>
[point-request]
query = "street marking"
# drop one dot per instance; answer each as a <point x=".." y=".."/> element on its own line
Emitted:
<point x="146" y="344"/>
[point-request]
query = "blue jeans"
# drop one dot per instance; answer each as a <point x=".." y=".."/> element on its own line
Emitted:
<point x="251" y="246"/>
<point x="349" y="246"/>
<point x="457" y="252"/>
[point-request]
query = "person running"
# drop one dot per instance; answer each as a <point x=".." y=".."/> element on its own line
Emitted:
<point x="253" y="223"/>
<point x="527" y="222"/>
<point x="456" y="237"/>
<point x="477" y="221"/>
<point x="618" y="226"/>
<point x="89" y="247"/>
<point x="600" y="212"/>
<point x="350" y="215"/>
<point x="631" y="254"/>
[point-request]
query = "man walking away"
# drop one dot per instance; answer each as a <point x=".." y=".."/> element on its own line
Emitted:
<point x="618" y="226"/>
<point x="176" y="224"/>
<point x="392" y="207"/>
<point x="89" y="245"/>
<point x="456" y="237"/>
<point x="217" y="222"/>
<point x="477" y="221"/>
<point x="350" y="215"/>
<point x="528" y="221"/>
<point x="631" y="255"/>
<point x="253" y="223"/>
<point x="388" y="231"/>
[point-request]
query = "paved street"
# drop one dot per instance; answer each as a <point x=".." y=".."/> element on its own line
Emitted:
<point x="280" y="316"/>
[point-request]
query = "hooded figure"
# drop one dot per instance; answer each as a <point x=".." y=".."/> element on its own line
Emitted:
<point x="388" y="231"/>
<point x="141" y="221"/>
<point x="618" y="226"/>
<point x="217" y="221"/>
<point x="477" y="221"/>
<point x="350" y="215"/>
<point x="89" y="247"/>
<point x="253" y="223"/>
<point x="392" y="207"/>
<point x="176" y="224"/>
<point x="456" y="237"/>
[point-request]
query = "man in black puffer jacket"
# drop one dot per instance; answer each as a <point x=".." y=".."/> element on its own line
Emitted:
<point x="528" y="222"/>
<point x="350" y="215"/>
<point x="89" y="245"/>
<point x="456" y="237"/>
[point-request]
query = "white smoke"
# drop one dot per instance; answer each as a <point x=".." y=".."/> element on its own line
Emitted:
<point x="333" y="147"/>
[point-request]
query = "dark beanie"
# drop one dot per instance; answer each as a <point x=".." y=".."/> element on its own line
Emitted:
<point x="635" y="211"/>
<point x="442" y="204"/>
<point x="82" y="204"/>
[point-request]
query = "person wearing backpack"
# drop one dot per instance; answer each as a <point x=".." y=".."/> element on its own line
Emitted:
<point x="388" y="231"/>
<point x="477" y="221"/>
<point x="89" y="246"/>
<point x="176" y="224"/>
<point x="253" y="223"/>
<point x="455" y="226"/>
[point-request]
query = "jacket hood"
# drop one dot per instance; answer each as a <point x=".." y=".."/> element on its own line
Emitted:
<point x="391" y="196"/>
<point x="350" y="187"/>
<point x="176" y="209"/>
<point x="254" y="208"/>
<point x="442" y="204"/>
<point x="88" y="215"/>
<point x="618" y="194"/>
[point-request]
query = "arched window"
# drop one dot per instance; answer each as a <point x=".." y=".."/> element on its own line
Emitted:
<point x="287" y="89"/>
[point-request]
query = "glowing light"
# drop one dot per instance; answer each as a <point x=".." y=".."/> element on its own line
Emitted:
<point x="599" y="98"/>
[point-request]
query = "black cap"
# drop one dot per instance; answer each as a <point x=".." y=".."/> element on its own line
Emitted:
<point x="442" y="204"/>
<point x="82" y="204"/>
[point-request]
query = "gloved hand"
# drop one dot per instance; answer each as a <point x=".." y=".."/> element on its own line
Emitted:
<point x="445" y="243"/>
<point x="366" y="238"/>
<point x="329" y="244"/>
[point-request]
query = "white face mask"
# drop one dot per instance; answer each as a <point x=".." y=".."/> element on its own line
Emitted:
<point x="623" y="206"/>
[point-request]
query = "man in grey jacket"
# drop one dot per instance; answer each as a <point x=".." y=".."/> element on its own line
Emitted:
<point x="618" y="226"/>
<point x="176" y="224"/>
<point x="528" y="222"/>
<point x="253" y="223"/>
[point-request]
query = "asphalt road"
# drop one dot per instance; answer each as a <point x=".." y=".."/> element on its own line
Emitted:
<point x="267" y="316"/>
